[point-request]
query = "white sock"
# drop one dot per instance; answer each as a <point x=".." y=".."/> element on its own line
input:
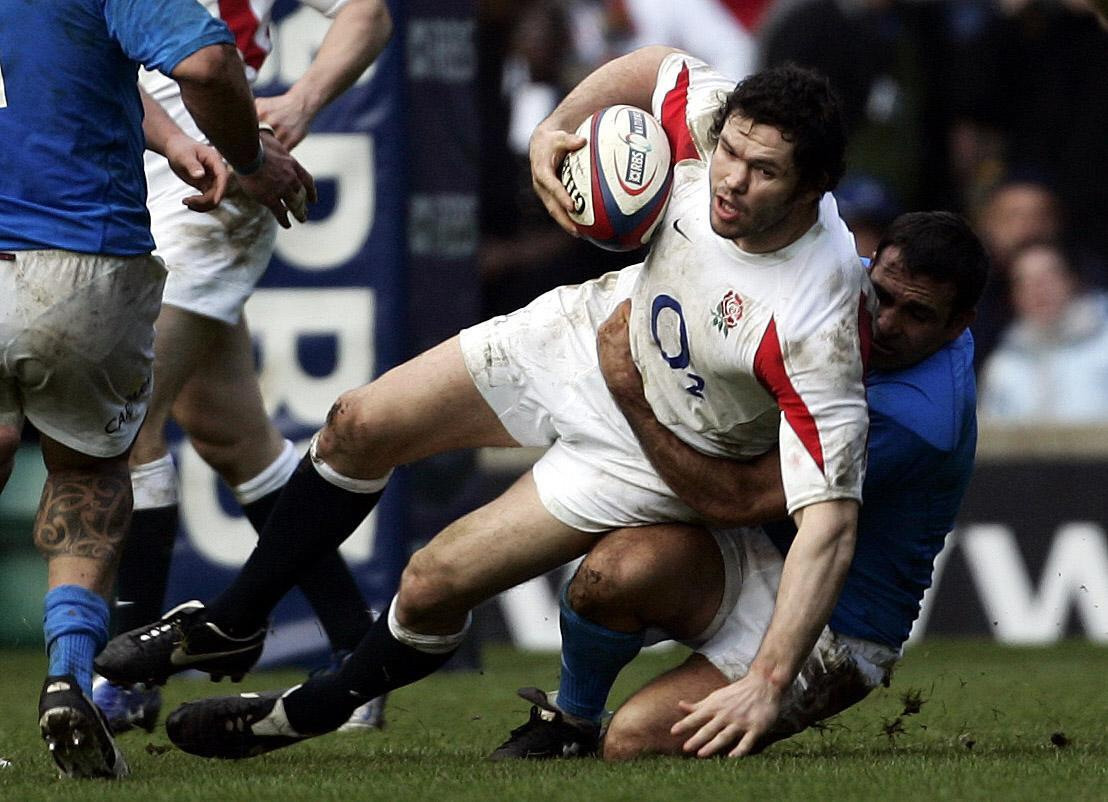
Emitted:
<point x="431" y="644"/>
<point x="154" y="484"/>
<point x="346" y="482"/>
<point x="273" y="477"/>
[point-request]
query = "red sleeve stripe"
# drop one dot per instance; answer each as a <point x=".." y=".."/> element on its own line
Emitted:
<point x="769" y="367"/>
<point x="244" y="27"/>
<point x="675" y="120"/>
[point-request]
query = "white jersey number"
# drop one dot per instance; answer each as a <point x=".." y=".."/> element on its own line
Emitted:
<point x="3" y="95"/>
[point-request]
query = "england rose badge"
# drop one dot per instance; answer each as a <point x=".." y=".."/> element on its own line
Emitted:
<point x="728" y="312"/>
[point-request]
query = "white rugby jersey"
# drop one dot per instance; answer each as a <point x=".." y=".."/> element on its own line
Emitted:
<point x="249" y="23"/>
<point x="740" y="351"/>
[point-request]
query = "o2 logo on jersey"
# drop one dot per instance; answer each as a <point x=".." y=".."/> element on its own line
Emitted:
<point x="680" y="360"/>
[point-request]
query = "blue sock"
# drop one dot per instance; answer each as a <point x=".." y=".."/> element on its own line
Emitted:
<point x="75" y="624"/>
<point x="592" y="657"/>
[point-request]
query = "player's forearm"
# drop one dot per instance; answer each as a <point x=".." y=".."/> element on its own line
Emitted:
<point x="723" y="491"/>
<point x="216" y="94"/>
<point x="356" y="37"/>
<point x="157" y="125"/>
<point x="814" y="571"/>
<point x="628" y="79"/>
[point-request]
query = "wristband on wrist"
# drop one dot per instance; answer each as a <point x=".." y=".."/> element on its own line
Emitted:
<point x="253" y="166"/>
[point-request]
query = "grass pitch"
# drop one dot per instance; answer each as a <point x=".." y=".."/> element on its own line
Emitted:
<point x="962" y="720"/>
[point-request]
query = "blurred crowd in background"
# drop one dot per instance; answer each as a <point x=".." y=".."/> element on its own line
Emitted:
<point x="997" y="109"/>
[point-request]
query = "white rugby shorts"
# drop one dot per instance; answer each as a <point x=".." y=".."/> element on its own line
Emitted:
<point x="77" y="345"/>
<point x="537" y="369"/>
<point x="216" y="258"/>
<point x="839" y="666"/>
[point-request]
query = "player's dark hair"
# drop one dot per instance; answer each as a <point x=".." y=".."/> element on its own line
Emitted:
<point x="942" y="246"/>
<point x="802" y="106"/>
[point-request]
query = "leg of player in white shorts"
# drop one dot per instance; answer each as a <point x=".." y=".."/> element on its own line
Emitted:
<point x="530" y="378"/>
<point x="76" y="341"/>
<point x="427" y="406"/>
<point x="834" y="678"/>
<point x="205" y="380"/>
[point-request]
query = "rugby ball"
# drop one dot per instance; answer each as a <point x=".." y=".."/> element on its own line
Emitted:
<point x="620" y="180"/>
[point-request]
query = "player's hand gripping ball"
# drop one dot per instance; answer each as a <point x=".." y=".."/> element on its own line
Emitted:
<point x="620" y="180"/>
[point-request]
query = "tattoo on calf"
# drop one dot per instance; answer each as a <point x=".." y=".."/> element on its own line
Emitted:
<point x="83" y="516"/>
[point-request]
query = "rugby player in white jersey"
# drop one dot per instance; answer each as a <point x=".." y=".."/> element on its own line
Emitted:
<point x="714" y="588"/>
<point x="204" y="362"/>
<point x="749" y="321"/>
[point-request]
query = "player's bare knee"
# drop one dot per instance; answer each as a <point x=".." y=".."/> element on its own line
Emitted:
<point x="427" y="588"/>
<point x="620" y="745"/>
<point x="219" y="456"/>
<point x="616" y="574"/>
<point x="350" y="431"/>
<point x="591" y="591"/>
<point x="634" y="733"/>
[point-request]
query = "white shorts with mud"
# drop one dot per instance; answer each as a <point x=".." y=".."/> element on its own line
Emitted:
<point x="537" y="369"/>
<point x="77" y="345"/>
<point x="216" y="258"/>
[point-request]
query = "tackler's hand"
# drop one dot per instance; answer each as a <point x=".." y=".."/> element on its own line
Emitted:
<point x="279" y="182"/>
<point x="613" y="352"/>
<point x="200" y="166"/>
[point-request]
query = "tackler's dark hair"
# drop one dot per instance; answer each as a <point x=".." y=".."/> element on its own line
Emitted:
<point x="943" y="246"/>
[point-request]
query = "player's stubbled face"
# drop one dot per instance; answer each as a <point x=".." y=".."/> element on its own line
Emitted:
<point x="755" y="196"/>
<point x="915" y="316"/>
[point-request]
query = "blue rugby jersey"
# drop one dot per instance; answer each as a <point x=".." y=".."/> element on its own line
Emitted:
<point x="71" y="173"/>
<point x="922" y="439"/>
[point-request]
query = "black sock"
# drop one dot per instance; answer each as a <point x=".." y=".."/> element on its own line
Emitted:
<point x="380" y="664"/>
<point x="309" y="520"/>
<point x="144" y="567"/>
<point x="259" y="510"/>
<point x="329" y="587"/>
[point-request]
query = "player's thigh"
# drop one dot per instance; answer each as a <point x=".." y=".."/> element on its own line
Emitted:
<point x="182" y="347"/>
<point x="425" y="406"/>
<point x="494" y="548"/>
<point x="641" y="725"/>
<point x="221" y="409"/>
